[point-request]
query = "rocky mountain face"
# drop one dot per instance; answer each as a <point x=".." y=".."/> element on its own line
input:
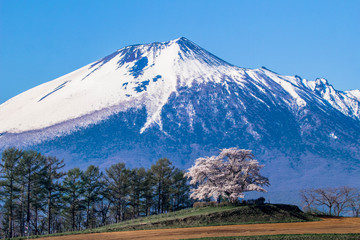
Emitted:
<point x="176" y="100"/>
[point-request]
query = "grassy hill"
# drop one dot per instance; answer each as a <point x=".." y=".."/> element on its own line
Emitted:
<point x="208" y="216"/>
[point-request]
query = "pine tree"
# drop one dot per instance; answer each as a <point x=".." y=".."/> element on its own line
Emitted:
<point x="73" y="189"/>
<point x="118" y="184"/>
<point x="103" y="204"/>
<point x="148" y="192"/>
<point x="92" y="188"/>
<point x="162" y="172"/>
<point x="20" y="211"/>
<point x="53" y="174"/>
<point x="9" y="189"/>
<point x="32" y="167"/>
<point x="137" y="178"/>
<point x="180" y="190"/>
<point x="38" y="204"/>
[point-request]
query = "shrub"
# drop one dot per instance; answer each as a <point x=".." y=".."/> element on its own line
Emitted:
<point x="260" y="201"/>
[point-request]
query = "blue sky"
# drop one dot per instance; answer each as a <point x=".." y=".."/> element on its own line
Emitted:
<point x="41" y="40"/>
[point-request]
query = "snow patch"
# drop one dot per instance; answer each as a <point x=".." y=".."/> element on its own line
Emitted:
<point x="333" y="136"/>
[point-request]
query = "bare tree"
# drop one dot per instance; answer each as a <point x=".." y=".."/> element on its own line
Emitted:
<point x="354" y="203"/>
<point x="343" y="198"/>
<point x="335" y="199"/>
<point x="308" y="199"/>
<point x="326" y="197"/>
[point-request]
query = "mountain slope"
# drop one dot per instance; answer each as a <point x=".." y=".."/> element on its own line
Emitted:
<point x="176" y="100"/>
<point x="145" y="73"/>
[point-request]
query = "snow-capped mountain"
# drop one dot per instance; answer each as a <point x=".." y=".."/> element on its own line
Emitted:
<point x="176" y="100"/>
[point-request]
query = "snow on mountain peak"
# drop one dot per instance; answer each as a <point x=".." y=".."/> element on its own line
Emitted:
<point x="354" y="94"/>
<point x="147" y="75"/>
<point x="133" y="76"/>
<point x="322" y="81"/>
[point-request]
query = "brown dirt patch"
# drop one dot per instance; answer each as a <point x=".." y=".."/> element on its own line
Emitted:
<point x="328" y="225"/>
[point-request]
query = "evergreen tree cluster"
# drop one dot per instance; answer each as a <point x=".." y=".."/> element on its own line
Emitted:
<point x="38" y="197"/>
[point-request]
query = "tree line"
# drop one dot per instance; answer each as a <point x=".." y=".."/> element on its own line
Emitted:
<point x="38" y="197"/>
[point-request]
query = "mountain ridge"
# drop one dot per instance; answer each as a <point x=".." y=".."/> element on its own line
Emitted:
<point x="132" y="53"/>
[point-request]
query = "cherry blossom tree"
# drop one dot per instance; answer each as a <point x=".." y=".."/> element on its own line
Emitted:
<point x="230" y="174"/>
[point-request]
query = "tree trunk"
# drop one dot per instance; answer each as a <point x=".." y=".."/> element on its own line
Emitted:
<point x="118" y="212"/>
<point x="28" y="201"/>
<point x="159" y="197"/>
<point x="49" y="212"/>
<point x="121" y="212"/>
<point x="87" y="214"/>
<point x="73" y="217"/>
<point x="49" y="197"/>
<point x="79" y="221"/>
<point x="11" y="210"/>
<point x="22" y="210"/>
<point x="36" y="221"/>
<point x="137" y="209"/>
